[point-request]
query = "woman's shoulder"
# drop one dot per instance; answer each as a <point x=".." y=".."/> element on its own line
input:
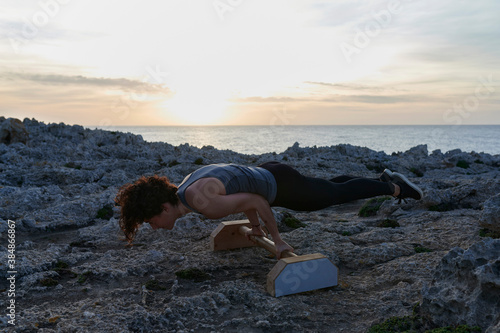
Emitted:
<point x="207" y="185"/>
<point x="199" y="194"/>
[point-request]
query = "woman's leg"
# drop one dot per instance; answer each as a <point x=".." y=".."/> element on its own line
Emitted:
<point x="345" y="178"/>
<point x="298" y="192"/>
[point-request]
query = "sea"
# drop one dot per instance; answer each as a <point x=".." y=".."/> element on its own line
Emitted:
<point x="268" y="139"/>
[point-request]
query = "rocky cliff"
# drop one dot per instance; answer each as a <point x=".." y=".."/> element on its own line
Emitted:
<point x="435" y="261"/>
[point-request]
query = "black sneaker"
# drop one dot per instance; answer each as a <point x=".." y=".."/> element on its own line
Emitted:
<point x="408" y="189"/>
<point x="386" y="176"/>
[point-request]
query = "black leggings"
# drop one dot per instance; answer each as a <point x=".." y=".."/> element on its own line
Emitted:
<point x="301" y="193"/>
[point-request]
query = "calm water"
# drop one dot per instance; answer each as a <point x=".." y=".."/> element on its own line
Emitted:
<point x="264" y="139"/>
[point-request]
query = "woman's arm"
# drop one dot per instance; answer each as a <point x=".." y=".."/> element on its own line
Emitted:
<point x="254" y="221"/>
<point x="222" y="205"/>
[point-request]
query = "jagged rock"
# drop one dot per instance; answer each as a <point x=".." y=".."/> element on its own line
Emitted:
<point x="446" y="196"/>
<point x="417" y="152"/>
<point x="490" y="217"/>
<point x="55" y="186"/>
<point x="12" y="130"/>
<point x="466" y="287"/>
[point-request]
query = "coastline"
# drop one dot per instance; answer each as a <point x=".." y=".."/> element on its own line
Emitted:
<point x="390" y="139"/>
<point x="59" y="185"/>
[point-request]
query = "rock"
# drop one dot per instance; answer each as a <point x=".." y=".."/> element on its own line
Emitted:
<point x="471" y="194"/>
<point x="12" y="130"/>
<point x="3" y="226"/>
<point x="437" y="153"/>
<point x="55" y="187"/>
<point x="466" y="287"/>
<point x="490" y="216"/>
<point x="494" y="329"/>
<point x="417" y="152"/>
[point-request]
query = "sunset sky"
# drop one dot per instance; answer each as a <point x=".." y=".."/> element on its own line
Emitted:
<point x="250" y="62"/>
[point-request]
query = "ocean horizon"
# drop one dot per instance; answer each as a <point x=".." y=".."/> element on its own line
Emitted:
<point x="254" y="139"/>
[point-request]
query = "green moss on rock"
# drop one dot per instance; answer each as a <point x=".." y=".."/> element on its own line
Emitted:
<point x="48" y="282"/>
<point x="394" y="324"/>
<point x="489" y="233"/>
<point x="371" y="207"/>
<point x="422" y="249"/>
<point x="154" y="285"/>
<point x="105" y="212"/>
<point x="61" y="265"/>
<point x="84" y="277"/>
<point x="388" y="223"/>
<point x="291" y="221"/>
<point x="194" y="274"/>
<point x="294" y="223"/>
<point x="457" y="329"/>
<point x="442" y="207"/>
<point x="415" y="323"/>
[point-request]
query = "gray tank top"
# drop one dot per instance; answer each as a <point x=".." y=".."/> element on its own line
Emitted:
<point x="236" y="179"/>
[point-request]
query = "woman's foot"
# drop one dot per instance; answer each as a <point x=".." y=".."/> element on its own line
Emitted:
<point x="386" y="176"/>
<point x="403" y="188"/>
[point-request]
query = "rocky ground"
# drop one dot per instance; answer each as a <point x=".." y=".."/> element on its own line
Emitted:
<point x="434" y="263"/>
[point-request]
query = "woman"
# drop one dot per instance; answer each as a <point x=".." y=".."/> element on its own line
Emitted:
<point x="218" y="190"/>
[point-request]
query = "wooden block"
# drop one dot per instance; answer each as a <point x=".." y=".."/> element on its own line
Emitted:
<point x="227" y="236"/>
<point x="302" y="273"/>
<point x="291" y="275"/>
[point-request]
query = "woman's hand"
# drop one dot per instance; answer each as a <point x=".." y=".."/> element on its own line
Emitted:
<point x="282" y="247"/>
<point x="255" y="231"/>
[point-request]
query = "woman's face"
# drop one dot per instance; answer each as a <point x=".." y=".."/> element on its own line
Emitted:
<point x="164" y="220"/>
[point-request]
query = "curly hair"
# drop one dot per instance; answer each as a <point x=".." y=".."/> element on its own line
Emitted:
<point x="142" y="200"/>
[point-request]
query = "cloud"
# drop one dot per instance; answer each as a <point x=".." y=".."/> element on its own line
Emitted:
<point x="78" y="80"/>
<point x="428" y="56"/>
<point x="346" y="86"/>
<point x="80" y="99"/>
<point x="259" y="99"/>
<point x="380" y="99"/>
<point x="340" y="99"/>
<point x="19" y="33"/>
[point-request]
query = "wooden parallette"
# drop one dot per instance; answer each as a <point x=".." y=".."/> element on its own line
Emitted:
<point x="292" y="274"/>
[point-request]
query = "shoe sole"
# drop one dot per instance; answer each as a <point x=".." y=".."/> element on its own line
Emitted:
<point x="386" y="176"/>
<point x="409" y="183"/>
